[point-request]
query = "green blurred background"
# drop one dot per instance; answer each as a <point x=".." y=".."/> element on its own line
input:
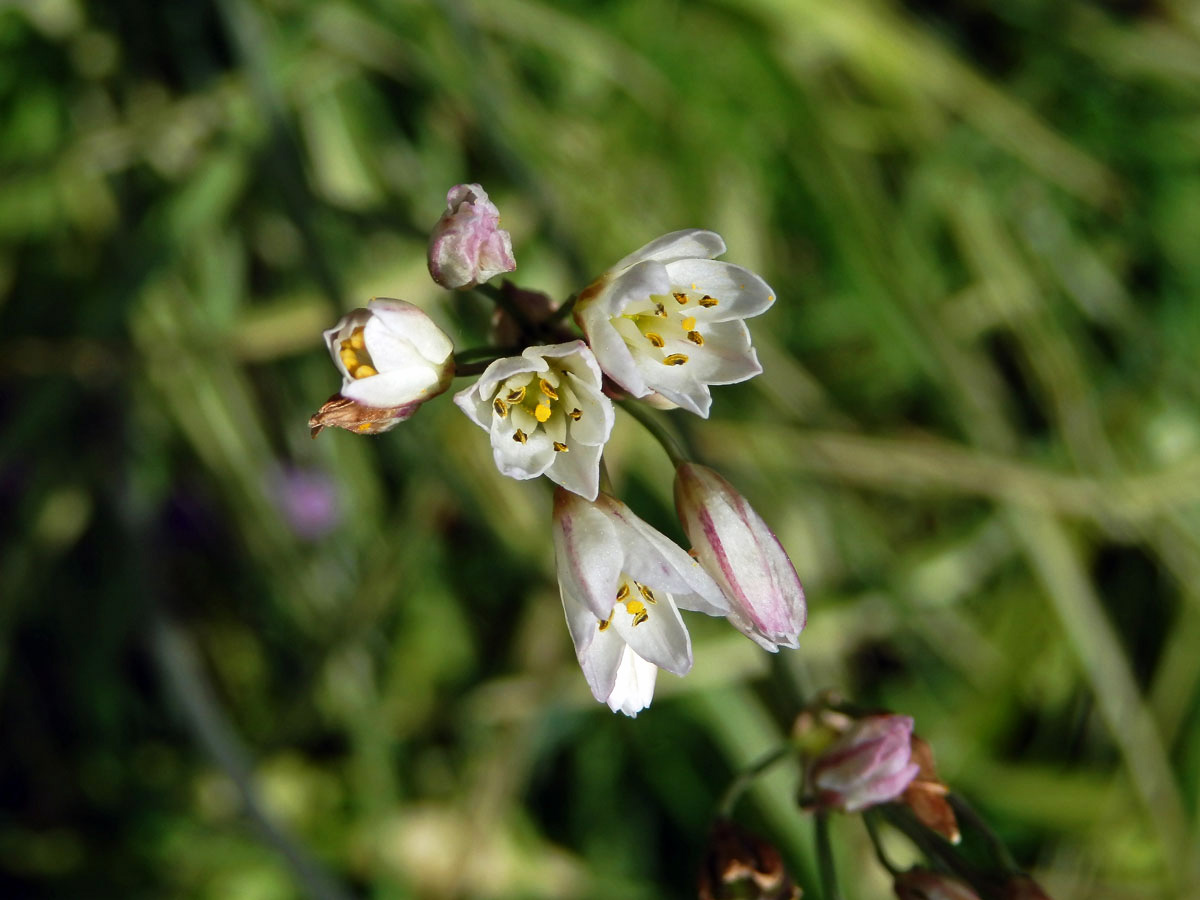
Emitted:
<point x="239" y="663"/>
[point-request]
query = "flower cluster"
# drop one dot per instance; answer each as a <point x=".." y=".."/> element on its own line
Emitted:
<point x="661" y="326"/>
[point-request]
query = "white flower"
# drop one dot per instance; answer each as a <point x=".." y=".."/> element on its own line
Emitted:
<point x="545" y="413"/>
<point x="391" y="356"/>
<point x="622" y="584"/>
<point x="468" y="246"/>
<point x="667" y="319"/>
<point x="739" y="550"/>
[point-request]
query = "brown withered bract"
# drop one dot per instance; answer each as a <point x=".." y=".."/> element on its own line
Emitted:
<point x="739" y="864"/>
<point x="926" y="795"/>
<point x="342" y="412"/>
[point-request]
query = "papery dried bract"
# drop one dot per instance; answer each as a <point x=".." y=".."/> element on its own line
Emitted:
<point x="737" y="548"/>
<point x="870" y="763"/>
<point x="739" y="865"/>
<point x="342" y="412"/>
<point x="622" y="584"/>
<point x="467" y="246"/>
<point x="668" y="319"/>
<point x="926" y="794"/>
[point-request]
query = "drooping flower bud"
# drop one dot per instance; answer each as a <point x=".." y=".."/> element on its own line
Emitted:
<point x="870" y="763"/>
<point x="922" y="884"/>
<point x="741" y="865"/>
<point x="468" y="246"/>
<point x="735" y="546"/>
<point x="392" y="358"/>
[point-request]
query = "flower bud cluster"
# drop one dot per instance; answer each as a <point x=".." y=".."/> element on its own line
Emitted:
<point x="662" y="325"/>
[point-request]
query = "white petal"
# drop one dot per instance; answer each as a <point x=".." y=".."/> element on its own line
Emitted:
<point x="477" y="409"/>
<point x="413" y="324"/>
<point x="503" y="369"/>
<point x="520" y="460"/>
<point x="596" y="422"/>
<point x="610" y="350"/>
<point x="727" y="356"/>
<point x="589" y="556"/>
<point x="740" y="292"/>
<point x="679" y="385"/>
<point x="661" y="639"/>
<point x="633" y="686"/>
<point x="577" y="469"/>
<point x="395" y="388"/>
<point x="686" y="244"/>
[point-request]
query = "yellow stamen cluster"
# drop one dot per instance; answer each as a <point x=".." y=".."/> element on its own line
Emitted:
<point x="552" y="395"/>
<point x="634" y="607"/>
<point x="354" y="356"/>
<point x="658" y="333"/>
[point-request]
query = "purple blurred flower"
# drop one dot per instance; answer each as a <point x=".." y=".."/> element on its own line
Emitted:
<point x="870" y="763"/>
<point x="468" y="246"/>
<point x="307" y="500"/>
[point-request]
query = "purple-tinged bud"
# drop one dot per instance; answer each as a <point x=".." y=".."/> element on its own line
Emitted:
<point x="735" y="546"/>
<point x="921" y="884"/>
<point x="870" y="763"/>
<point x="468" y="246"/>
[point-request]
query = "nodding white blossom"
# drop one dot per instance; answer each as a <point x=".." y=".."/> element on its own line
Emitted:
<point x="391" y="356"/>
<point x="545" y="414"/>
<point x="468" y="246"/>
<point x="623" y="584"/>
<point x="668" y="319"/>
<point x="739" y="550"/>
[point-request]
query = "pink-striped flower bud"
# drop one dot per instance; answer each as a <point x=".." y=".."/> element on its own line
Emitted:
<point x="870" y="763"/>
<point x="468" y="246"/>
<point x="735" y="546"/>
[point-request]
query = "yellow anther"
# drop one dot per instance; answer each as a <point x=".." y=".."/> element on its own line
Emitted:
<point x="357" y="340"/>
<point x="637" y="609"/>
<point x="365" y="426"/>
<point x="541" y="412"/>
<point x="500" y="407"/>
<point x="349" y="359"/>
<point x="365" y="372"/>
<point x="696" y="338"/>
<point x="623" y="592"/>
<point x="675" y="359"/>
<point x="646" y="593"/>
<point x="708" y="302"/>
<point x="519" y="436"/>
<point x="680" y="297"/>
<point x="548" y="389"/>
<point x="689" y="323"/>
<point x="576" y="414"/>
<point x="516" y="396"/>
<point x="660" y="310"/>
<point x="655" y="339"/>
<point x="560" y="447"/>
<point x="604" y="623"/>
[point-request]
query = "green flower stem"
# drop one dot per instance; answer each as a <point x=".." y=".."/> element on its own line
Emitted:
<point x="829" y="888"/>
<point x="606" y="484"/>
<point x="487" y="353"/>
<point x="561" y="313"/>
<point x="932" y="844"/>
<point x="739" y="785"/>
<point x="502" y="300"/>
<point x="966" y="813"/>
<point x="868" y="818"/>
<point x="654" y="425"/>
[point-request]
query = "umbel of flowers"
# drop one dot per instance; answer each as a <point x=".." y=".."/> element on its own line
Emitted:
<point x="659" y="328"/>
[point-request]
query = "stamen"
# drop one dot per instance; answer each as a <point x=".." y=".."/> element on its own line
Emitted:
<point x="696" y="338"/>
<point x="660" y="310"/>
<point x="516" y="396"/>
<point x="365" y="371"/>
<point x="604" y="623"/>
<point x="560" y="447"/>
<point x="576" y="414"/>
<point x="675" y="359"/>
<point x="708" y="302"/>
<point x="357" y="341"/>
<point x="349" y="359"/>
<point x="519" y="436"/>
<point x="365" y="426"/>
<point x="655" y="339"/>
<point x="680" y="297"/>
<point x="637" y="609"/>
<point x="500" y="407"/>
<point x="646" y="593"/>
<point x="548" y="389"/>
<point x="541" y="412"/>
<point x="623" y="592"/>
<point x="689" y="324"/>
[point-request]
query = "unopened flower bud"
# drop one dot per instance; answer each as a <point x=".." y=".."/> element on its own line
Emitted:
<point x="737" y="548"/>
<point x="468" y="246"/>
<point x="921" y="884"/>
<point x="392" y="359"/>
<point x="738" y="864"/>
<point x="870" y="763"/>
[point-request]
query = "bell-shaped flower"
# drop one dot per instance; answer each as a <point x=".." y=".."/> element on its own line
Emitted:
<point x="392" y="359"/>
<point x="668" y="319"/>
<point x="737" y="548"/>
<point x="545" y="413"/>
<point x="622" y="584"/>
<point x="870" y="763"/>
<point x="468" y="246"/>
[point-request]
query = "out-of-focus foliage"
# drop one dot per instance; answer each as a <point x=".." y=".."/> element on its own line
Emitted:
<point x="978" y="433"/>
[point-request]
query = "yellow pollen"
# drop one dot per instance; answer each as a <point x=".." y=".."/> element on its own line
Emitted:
<point x="516" y="396"/>
<point x="576" y="414"/>
<point x="365" y="426"/>
<point x="771" y="298"/>
<point x="638" y="610"/>
<point x="696" y="338"/>
<point x="349" y="359"/>
<point x="548" y="389"/>
<point x="519" y="436"/>
<point x="622" y="592"/>
<point x="680" y="297"/>
<point x="560" y="447"/>
<point x="675" y="359"/>
<point x="541" y="412"/>
<point x="357" y="341"/>
<point x="500" y="407"/>
<point x="647" y="594"/>
<point x="689" y="324"/>
<point x="693" y="285"/>
<point x="365" y="372"/>
<point x="655" y="339"/>
<point x="708" y="302"/>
